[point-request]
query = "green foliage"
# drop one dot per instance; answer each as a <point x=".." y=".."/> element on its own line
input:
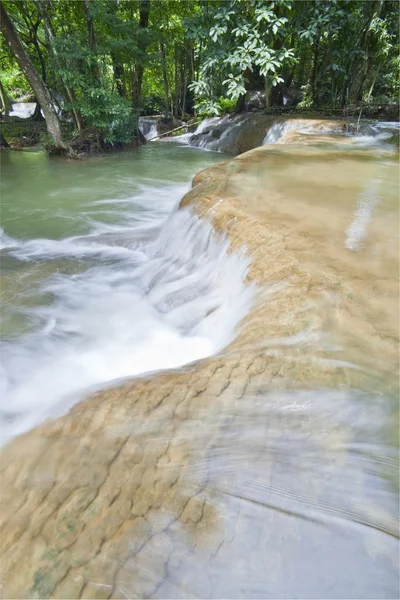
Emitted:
<point x="22" y="133"/>
<point x="15" y="82"/>
<point x="244" y="38"/>
<point x="214" y="108"/>
<point x="226" y="105"/>
<point x="106" y="64"/>
<point x="152" y="103"/>
<point x="106" y="111"/>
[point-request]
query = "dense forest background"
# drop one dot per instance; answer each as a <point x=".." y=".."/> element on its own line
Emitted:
<point x="99" y="64"/>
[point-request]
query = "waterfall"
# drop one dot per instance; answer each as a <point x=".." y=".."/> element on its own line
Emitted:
<point x="148" y="127"/>
<point x="279" y="130"/>
<point x="143" y="306"/>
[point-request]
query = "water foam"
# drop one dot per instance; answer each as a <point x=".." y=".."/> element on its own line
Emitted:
<point x="148" y="127"/>
<point x="278" y="131"/>
<point x="6" y="241"/>
<point x="157" y="301"/>
<point x="205" y="124"/>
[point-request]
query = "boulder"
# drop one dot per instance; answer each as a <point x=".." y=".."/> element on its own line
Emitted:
<point x="255" y="100"/>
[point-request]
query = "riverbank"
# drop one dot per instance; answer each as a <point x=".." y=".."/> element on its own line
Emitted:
<point x="187" y="483"/>
<point x="21" y="133"/>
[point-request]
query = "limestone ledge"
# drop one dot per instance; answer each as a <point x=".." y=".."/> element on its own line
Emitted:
<point x="117" y="498"/>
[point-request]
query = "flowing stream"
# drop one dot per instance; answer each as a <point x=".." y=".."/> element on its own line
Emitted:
<point x="103" y="279"/>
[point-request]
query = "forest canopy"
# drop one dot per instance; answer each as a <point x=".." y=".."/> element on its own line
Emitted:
<point x="99" y="64"/>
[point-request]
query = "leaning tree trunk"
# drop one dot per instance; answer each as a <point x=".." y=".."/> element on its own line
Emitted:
<point x="36" y="82"/>
<point x="68" y="93"/>
<point x="371" y="89"/>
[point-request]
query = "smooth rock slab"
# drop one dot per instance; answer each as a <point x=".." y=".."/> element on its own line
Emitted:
<point x="257" y="473"/>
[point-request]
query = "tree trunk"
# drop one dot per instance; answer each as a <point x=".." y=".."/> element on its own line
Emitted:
<point x="346" y="91"/>
<point x="33" y="77"/>
<point x="267" y="89"/>
<point x="92" y="40"/>
<point x="5" y="100"/>
<point x="137" y="78"/>
<point x="165" y="75"/>
<point x="177" y="80"/>
<point x="76" y="113"/>
<point x="119" y="77"/>
<point x="37" y="114"/>
<point x="33" y="27"/>
<point x="240" y="104"/>
<point x="68" y="92"/>
<point x="313" y="75"/>
<point x="89" y="21"/>
<point x="365" y="38"/>
<point x="371" y="89"/>
<point x="41" y="59"/>
<point x="365" y="73"/>
<point x="186" y="76"/>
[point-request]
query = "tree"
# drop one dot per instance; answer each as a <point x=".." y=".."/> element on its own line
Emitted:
<point x="69" y="94"/>
<point x="104" y="62"/>
<point x="244" y="40"/>
<point x="138" y="69"/>
<point x="5" y="100"/>
<point x="37" y="83"/>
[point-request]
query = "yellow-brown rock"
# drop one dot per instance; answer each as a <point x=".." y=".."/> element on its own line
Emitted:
<point x="234" y="477"/>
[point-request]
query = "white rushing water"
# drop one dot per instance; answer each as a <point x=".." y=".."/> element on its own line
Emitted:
<point x="148" y="127"/>
<point x="221" y="134"/>
<point x="277" y="132"/>
<point x="161" y="291"/>
<point x="23" y="110"/>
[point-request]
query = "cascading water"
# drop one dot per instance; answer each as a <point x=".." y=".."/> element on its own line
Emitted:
<point x="148" y="127"/>
<point x="155" y="291"/>
<point x="216" y="134"/>
<point x="201" y="128"/>
<point x="247" y="131"/>
<point x="23" y="110"/>
<point x="222" y="134"/>
<point x="278" y="131"/>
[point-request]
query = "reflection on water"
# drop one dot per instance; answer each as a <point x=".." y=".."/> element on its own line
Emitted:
<point x="269" y="470"/>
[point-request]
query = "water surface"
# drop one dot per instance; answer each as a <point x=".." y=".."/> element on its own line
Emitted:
<point x="102" y="279"/>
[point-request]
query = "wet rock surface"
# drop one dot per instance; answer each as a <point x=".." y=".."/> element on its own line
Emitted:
<point x="262" y="472"/>
<point x="244" y="132"/>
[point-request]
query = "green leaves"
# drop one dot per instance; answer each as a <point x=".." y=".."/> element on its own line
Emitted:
<point x="335" y="51"/>
<point x="235" y="86"/>
<point x="242" y="38"/>
<point x="217" y="31"/>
